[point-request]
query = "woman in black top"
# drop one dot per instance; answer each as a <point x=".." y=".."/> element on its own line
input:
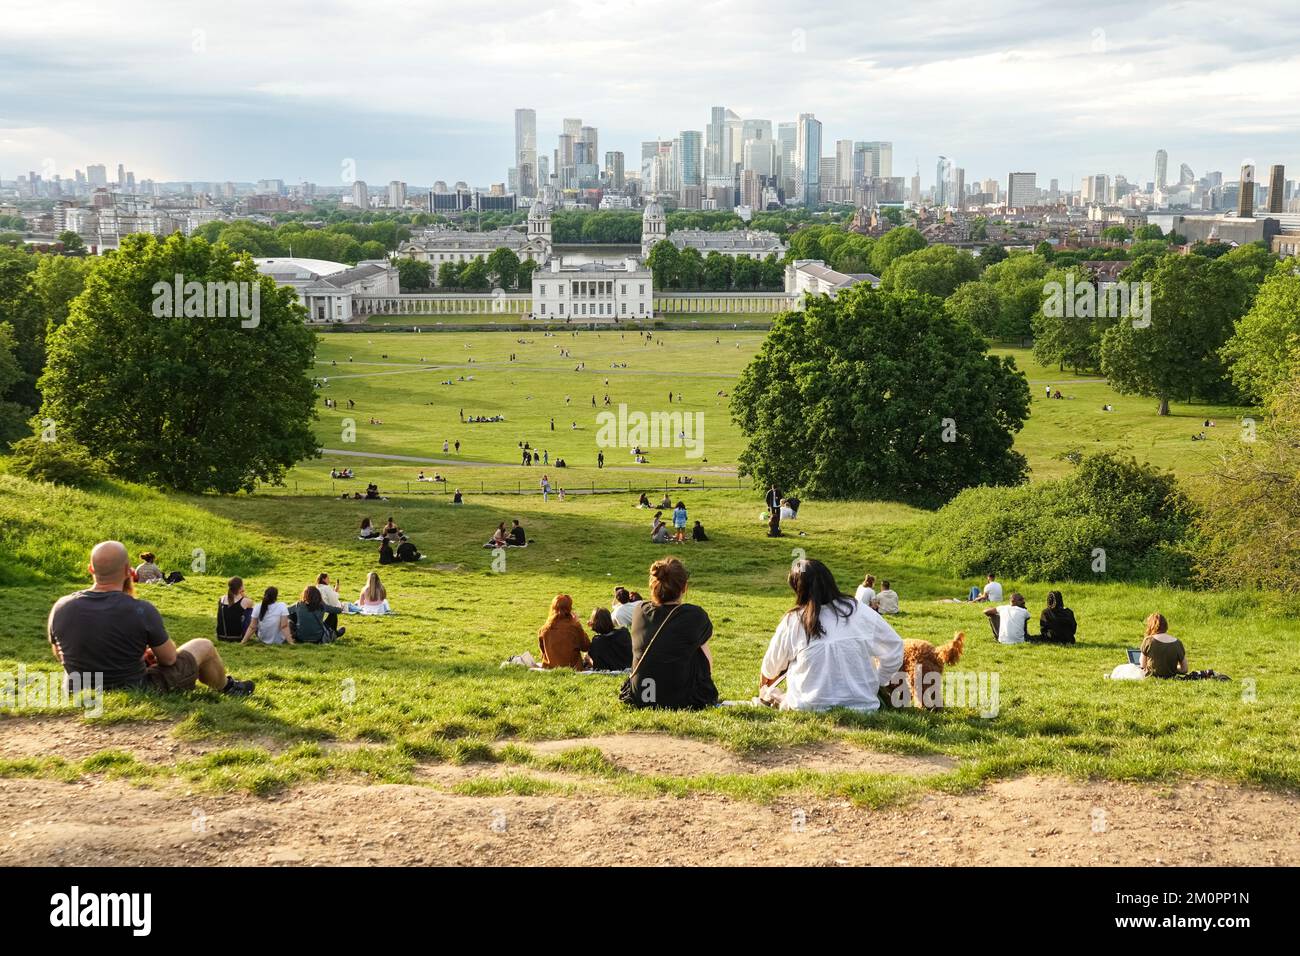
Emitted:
<point x="671" y="663"/>
<point x="611" y="647"/>
<point x="386" y="555"/>
<point x="1056" y="624"/>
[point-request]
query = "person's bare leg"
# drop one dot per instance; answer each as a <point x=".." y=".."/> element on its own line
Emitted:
<point x="212" y="671"/>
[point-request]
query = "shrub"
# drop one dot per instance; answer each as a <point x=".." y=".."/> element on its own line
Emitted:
<point x="1112" y="517"/>
<point x="63" y="462"/>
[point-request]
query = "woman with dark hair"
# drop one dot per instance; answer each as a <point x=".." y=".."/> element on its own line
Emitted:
<point x="386" y="555"/>
<point x="561" y="639"/>
<point x="270" y="620"/>
<point x="827" y="646"/>
<point x="671" y="664"/>
<point x="367" y="530"/>
<point x="611" y="647"/>
<point x="148" y="571"/>
<point x="1056" y="624"/>
<point x="234" y="610"/>
<point x="309" y="615"/>
<point x="659" y="531"/>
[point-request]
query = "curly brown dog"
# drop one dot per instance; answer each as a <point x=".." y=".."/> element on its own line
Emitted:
<point x="920" y="659"/>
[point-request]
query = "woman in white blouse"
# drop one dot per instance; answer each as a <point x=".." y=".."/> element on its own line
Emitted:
<point x="831" y="649"/>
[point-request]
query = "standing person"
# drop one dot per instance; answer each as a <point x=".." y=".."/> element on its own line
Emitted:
<point x="546" y="488"/>
<point x="552" y="423"/>
<point x="828" y="646"/>
<point x="773" y="499"/>
<point x="600" y="459"/>
<point x="679" y="522"/>
<point x="561" y="639"/>
<point x="672" y="665"/>
<point x="106" y="631"/>
<point x="457" y="446"/>
<point x="445" y="446"/>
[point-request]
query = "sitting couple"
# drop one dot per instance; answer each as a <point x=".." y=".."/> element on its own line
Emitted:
<point x="564" y="643"/>
<point x="1010" y="622"/>
<point x="514" y="538"/>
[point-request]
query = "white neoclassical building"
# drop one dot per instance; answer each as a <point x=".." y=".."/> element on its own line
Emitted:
<point x="755" y="243"/>
<point x="443" y="244"/>
<point x="593" y="291"/>
<point x="815" y="277"/>
<point x="325" y="288"/>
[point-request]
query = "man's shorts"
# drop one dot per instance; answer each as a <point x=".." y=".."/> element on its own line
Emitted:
<point x="182" y="675"/>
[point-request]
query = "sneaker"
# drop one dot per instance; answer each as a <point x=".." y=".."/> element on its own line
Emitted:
<point x="340" y="632"/>
<point x="237" y="688"/>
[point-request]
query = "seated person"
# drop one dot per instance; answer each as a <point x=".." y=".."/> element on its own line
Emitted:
<point x="457" y="498"/>
<point x="624" y="606"/>
<point x="269" y="622"/>
<point x="1163" y="655"/>
<point x="886" y="601"/>
<point x="373" y="598"/>
<point x="391" y="529"/>
<point x="697" y="533"/>
<point x="148" y="572"/>
<point x="500" y="539"/>
<point x="406" y="551"/>
<point x="866" y="592"/>
<point x="666" y="503"/>
<point x="234" y="611"/>
<point x="386" y="555"/>
<point x="643" y="502"/>
<point x="774" y="523"/>
<point x="787" y="513"/>
<point x="992" y="592"/>
<point x="367" y="530"/>
<point x="517" y="538"/>
<point x="611" y="647"/>
<point x="659" y="533"/>
<point x="561" y="639"/>
<point x="672" y="666"/>
<point x="309" y="618"/>
<point x="1056" y="625"/>
<point x="105" y="630"/>
<point x="329" y="595"/>
<point x="828" y="646"/>
<point x="1010" y="622"/>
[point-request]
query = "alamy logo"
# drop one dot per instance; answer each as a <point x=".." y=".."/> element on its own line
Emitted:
<point x="1111" y="300"/>
<point x="655" y="430"/>
<point x="73" y="909"/>
<point x="208" y="300"/>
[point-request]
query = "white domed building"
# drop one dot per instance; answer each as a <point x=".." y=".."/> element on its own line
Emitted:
<point x="440" y="244"/>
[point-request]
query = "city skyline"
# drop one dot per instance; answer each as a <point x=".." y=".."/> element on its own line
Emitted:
<point x="1100" y="95"/>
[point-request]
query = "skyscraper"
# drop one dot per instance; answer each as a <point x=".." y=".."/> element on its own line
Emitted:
<point x="1277" y="188"/>
<point x="1021" y="189"/>
<point x="808" y="152"/>
<point x="1246" y="192"/>
<point x="614" y="168"/>
<point x="844" y="162"/>
<point x="526" y="151"/>
<point x="691" y="157"/>
<point x="1162" y="169"/>
<point x="716" y="142"/>
<point x="787" y="139"/>
<point x="942" y="175"/>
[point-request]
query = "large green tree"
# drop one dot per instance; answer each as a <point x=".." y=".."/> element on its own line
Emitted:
<point x="503" y="268"/>
<point x="1264" y="351"/>
<point x="1195" y="303"/>
<point x="935" y="270"/>
<point x="173" y="393"/>
<point x="879" y="394"/>
<point x="898" y="242"/>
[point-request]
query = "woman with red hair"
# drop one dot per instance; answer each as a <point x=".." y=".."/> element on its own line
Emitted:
<point x="562" y="639"/>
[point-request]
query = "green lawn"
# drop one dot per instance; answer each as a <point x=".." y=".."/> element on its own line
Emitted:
<point x="426" y="684"/>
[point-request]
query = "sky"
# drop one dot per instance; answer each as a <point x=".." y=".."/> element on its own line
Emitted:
<point x="420" y="91"/>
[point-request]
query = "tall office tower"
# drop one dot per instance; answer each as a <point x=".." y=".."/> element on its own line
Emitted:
<point x="844" y="162"/>
<point x="875" y="159"/>
<point x="1185" y="175"/>
<point x="526" y="151"/>
<point x="1162" y="169"/>
<point x="1022" y="189"/>
<point x="396" y="194"/>
<point x="96" y="175"/>
<point x="614" y="168"/>
<point x="572" y="127"/>
<point x="1246" y="192"/>
<point x="360" y="194"/>
<point x="826" y="172"/>
<point x="1054" y="190"/>
<point x="589" y="136"/>
<point x="717" y="142"/>
<point x="565" y="146"/>
<point x="543" y="173"/>
<point x="130" y="181"/>
<point x="787" y="139"/>
<point x="916" y="186"/>
<point x="942" y="176"/>
<point x="121" y="176"/>
<point x="691" y="157"/>
<point x="649" y="150"/>
<point x="761" y="157"/>
<point x="752" y="129"/>
<point x="735" y="137"/>
<point x="959" y="187"/>
<point x="807" y="160"/>
<point x="751" y="189"/>
<point x="1277" y="188"/>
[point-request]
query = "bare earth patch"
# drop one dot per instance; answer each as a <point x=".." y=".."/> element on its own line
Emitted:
<point x="1027" y="821"/>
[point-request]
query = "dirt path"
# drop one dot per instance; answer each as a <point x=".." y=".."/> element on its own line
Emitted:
<point x="1027" y="821"/>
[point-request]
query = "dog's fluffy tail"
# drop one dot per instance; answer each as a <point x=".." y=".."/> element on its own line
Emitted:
<point x="950" y="653"/>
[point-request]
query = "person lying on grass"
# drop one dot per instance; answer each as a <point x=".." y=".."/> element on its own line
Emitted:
<point x="106" y="630"/>
<point x="672" y="666"/>
<point x="561" y="639"/>
<point x="834" y="650"/>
